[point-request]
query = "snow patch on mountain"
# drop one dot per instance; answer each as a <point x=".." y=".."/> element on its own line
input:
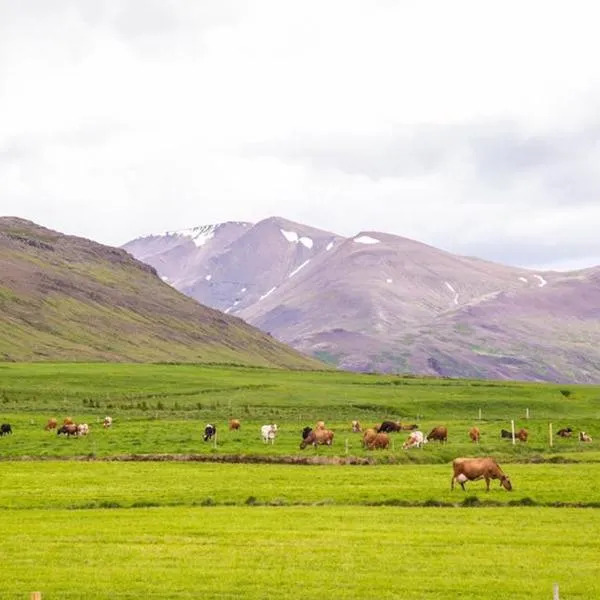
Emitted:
<point x="268" y="293"/>
<point x="453" y="291"/>
<point x="523" y="279"/>
<point x="290" y="236"/>
<point x="388" y="281"/>
<point x="306" y="242"/>
<point x="298" y="268"/>
<point x="208" y="277"/>
<point x="329" y="246"/>
<point x="542" y="281"/>
<point x="366" y="239"/>
<point x="199" y="235"/>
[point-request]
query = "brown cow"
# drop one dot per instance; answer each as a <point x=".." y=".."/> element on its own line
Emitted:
<point x="565" y="433"/>
<point x="389" y="426"/>
<point x="51" y="424"/>
<point x="68" y="421"/>
<point x="412" y="427"/>
<point x="439" y="433"/>
<point x="380" y="441"/>
<point x="356" y="428"/>
<point x="320" y="425"/>
<point x="522" y="435"/>
<point x="69" y="429"/>
<point x="323" y="437"/>
<point x="234" y="424"/>
<point x="474" y="434"/>
<point x="368" y="435"/>
<point x="472" y="469"/>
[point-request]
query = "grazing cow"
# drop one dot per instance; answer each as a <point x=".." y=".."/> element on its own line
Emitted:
<point x="107" y="422"/>
<point x="320" y="425"/>
<point x="565" y="433"/>
<point x="83" y="429"/>
<point x="69" y="429"/>
<point x="389" y="426"/>
<point x="51" y="424"/>
<point x="323" y="437"/>
<point x="356" y="428"/>
<point x="209" y="432"/>
<point x="68" y="421"/>
<point x="305" y="432"/>
<point x="472" y="469"/>
<point x="439" y="433"/>
<point x="415" y="440"/>
<point x="475" y="434"/>
<point x="5" y="429"/>
<point x="234" y="424"/>
<point x="412" y="427"/>
<point x="520" y="435"/>
<point x="368" y="435"/>
<point x="584" y="437"/>
<point x="381" y="441"/>
<point x="268" y="433"/>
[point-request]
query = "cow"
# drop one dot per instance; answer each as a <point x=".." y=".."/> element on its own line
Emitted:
<point x="520" y="435"/>
<point x="584" y="437"/>
<point x="51" y="424"/>
<point x="268" y="433"/>
<point x="356" y="428"/>
<point x="475" y="434"/>
<point x="320" y="425"/>
<point x="234" y="424"/>
<point x="389" y="426"/>
<point x="412" y="427"/>
<point x="209" y="432"/>
<point x="565" y="432"/>
<point x="68" y="421"/>
<point x="107" y="422"/>
<point x="306" y="431"/>
<point x="472" y="469"/>
<point x="381" y="441"/>
<point x="82" y="429"/>
<point x="69" y="429"/>
<point x="317" y="437"/>
<point x="5" y="429"/>
<point x="439" y="433"/>
<point x="415" y="440"/>
<point x="368" y="435"/>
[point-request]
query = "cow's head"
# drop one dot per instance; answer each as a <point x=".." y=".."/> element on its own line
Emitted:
<point x="505" y="483"/>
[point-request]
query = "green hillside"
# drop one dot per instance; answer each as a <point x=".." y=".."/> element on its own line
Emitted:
<point x="67" y="298"/>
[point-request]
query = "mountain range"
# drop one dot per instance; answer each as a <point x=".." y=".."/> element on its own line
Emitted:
<point x="380" y="302"/>
<point x="67" y="298"/>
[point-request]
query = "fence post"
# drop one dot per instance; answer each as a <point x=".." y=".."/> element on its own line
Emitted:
<point x="36" y="595"/>
<point x="527" y="413"/>
<point x="512" y="428"/>
<point x="550" y="434"/>
<point x="480" y="414"/>
<point x="555" y="594"/>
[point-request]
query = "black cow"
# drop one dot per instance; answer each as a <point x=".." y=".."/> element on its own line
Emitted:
<point x="389" y="426"/>
<point x="506" y="434"/>
<point x="306" y="432"/>
<point x="68" y="430"/>
<point x="209" y="431"/>
<point x="5" y="429"/>
<point x="565" y="433"/>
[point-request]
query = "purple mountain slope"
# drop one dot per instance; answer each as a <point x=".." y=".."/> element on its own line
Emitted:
<point x="382" y="302"/>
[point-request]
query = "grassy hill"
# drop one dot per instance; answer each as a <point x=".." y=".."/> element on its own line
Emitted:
<point x="67" y="298"/>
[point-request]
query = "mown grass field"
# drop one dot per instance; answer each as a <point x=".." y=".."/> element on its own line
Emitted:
<point x="79" y="521"/>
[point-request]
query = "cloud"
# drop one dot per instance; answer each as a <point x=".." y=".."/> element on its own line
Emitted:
<point x="469" y="127"/>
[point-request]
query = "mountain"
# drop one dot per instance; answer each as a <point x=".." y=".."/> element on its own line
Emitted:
<point x="67" y="298"/>
<point x="380" y="302"/>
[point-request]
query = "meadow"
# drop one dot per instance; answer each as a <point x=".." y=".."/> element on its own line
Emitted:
<point x="148" y="509"/>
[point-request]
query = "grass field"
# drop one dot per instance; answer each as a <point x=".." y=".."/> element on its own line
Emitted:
<point x="79" y="521"/>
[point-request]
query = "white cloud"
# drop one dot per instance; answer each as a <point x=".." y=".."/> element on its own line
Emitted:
<point x="125" y="117"/>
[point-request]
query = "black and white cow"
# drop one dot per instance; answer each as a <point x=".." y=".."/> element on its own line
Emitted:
<point x="209" y="431"/>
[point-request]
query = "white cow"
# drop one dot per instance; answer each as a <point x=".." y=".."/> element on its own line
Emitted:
<point x="107" y="422"/>
<point x="268" y="433"/>
<point x="584" y="437"/>
<point x="415" y="440"/>
<point x="83" y="429"/>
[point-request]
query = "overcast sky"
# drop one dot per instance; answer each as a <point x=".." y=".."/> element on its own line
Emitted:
<point x="472" y="126"/>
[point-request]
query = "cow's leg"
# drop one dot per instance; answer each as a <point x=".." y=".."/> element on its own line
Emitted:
<point x="452" y="483"/>
<point x="487" y="484"/>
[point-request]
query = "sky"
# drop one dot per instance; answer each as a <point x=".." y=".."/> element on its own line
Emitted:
<point x="471" y="126"/>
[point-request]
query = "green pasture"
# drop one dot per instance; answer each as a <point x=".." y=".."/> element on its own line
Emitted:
<point x="291" y="552"/>
<point x="163" y="409"/>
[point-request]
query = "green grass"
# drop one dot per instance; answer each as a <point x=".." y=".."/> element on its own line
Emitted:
<point x="287" y="552"/>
